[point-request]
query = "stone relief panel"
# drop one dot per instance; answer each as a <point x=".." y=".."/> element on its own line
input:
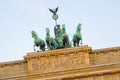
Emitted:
<point x="40" y="64"/>
<point x="57" y="63"/>
<point x="69" y="61"/>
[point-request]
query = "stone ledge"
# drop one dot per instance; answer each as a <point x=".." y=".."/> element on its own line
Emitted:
<point x="64" y="51"/>
<point x="106" y="50"/>
<point x="71" y="74"/>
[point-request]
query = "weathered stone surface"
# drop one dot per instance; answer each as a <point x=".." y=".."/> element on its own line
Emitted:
<point x="77" y="63"/>
<point x="13" y="68"/>
<point x="58" y="60"/>
<point x="99" y="72"/>
<point x="105" y="56"/>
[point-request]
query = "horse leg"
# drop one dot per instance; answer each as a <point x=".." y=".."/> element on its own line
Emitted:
<point x="74" y="43"/>
<point x="70" y="44"/>
<point x="81" y="41"/>
<point x="64" y="44"/>
<point x="55" y="44"/>
<point x="51" y="45"/>
<point x="78" y="42"/>
<point x="34" y="47"/>
<point x="43" y="47"/>
<point x="67" y="44"/>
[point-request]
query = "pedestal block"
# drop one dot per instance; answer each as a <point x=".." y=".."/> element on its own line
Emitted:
<point x="58" y="60"/>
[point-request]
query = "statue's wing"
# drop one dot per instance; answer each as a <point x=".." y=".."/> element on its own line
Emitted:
<point x="56" y="9"/>
<point x="51" y="10"/>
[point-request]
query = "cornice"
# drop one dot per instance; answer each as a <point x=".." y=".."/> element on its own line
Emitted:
<point x="72" y="74"/>
<point x="12" y="63"/>
<point x="106" y="50"/>
<point x="58" y="52"/>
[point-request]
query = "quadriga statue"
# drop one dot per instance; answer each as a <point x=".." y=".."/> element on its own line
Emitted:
<point x="61" y="39"/>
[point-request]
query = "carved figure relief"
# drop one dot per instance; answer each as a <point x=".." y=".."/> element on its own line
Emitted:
<point x="58" y="62"/>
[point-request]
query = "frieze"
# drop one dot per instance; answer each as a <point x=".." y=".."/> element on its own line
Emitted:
<point x="68" y="61"/>
<point x="12" y="63"/>
<point x="58" y="62"/>
<point x="39" y="65"/>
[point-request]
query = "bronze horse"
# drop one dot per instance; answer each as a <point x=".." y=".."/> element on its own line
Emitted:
<point x="51" y="43"/>
<point x="77" y="38"/>
<point x="37" y="41"/>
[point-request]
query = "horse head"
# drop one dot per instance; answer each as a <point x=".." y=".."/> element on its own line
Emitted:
<point x="47" y="32"/>
<point x="34" y="34"/>
<point x="78" y="28"/>
<point x="63" y="29"/>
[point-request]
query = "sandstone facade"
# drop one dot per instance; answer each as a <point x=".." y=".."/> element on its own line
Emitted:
<point x="76" y="63"/>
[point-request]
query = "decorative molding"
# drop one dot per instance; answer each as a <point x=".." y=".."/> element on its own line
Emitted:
<point x="58" y="52"/>
<point x="12" y="63"/>
<point x="106" y="50"/>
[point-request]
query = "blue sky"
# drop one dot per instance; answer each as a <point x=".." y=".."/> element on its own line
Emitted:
<point x="100" y="21"/>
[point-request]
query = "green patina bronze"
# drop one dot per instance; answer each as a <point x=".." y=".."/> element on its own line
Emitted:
<point x="51" y="42"/>
<point x="77" y="38"/>
<point x="37" y="41"/>
<point x="61" y="39"/>
<point x="65" y="37"/>
<point x="57" y="31"/>
<point x="58" y="36"/>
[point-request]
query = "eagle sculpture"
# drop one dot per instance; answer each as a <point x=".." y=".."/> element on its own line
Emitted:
<point x="54" y="11"/>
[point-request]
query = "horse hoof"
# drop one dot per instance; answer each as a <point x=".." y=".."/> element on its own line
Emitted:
<point x="38" y="51"/>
